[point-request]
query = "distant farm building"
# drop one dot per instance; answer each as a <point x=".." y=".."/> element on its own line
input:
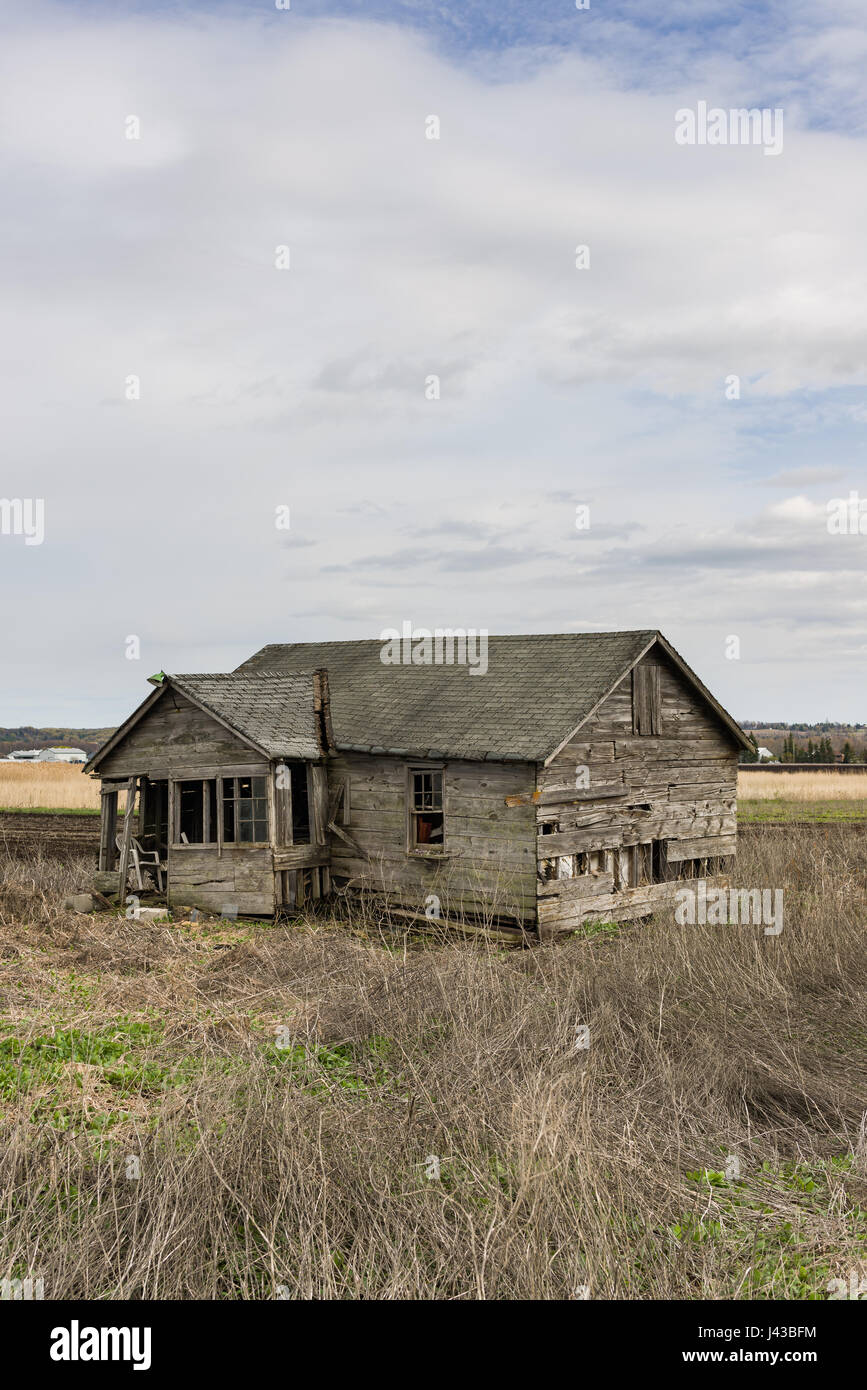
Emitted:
<point x="48" y="755"/>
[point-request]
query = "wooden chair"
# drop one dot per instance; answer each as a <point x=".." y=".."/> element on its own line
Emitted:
<point x="142" y="858"/>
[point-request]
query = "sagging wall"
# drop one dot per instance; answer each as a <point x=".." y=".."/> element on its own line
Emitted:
<point x="491" y="863"/>
<point x="678" y="787"/>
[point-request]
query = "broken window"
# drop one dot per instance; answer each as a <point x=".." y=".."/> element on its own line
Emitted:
<point x="659" y="862"/>
<point x="639" y="866"/>
<point x="646" y="706"/>
<point x="426" y="808"/>
<point x="600" y="861"/>
<point x="706" y="867"/>
<point x="645" y="864"/>
<point x="625" y="867"/>
<point x="548" y="867"/>
<point x="245" y="810"/>
<point x="196" y="812"/>
<point x="584" y="864"/>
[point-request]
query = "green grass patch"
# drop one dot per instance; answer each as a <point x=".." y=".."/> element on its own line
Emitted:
<point x="31" y="1064"/>
<point x="354" y="1067"/>
<point x="777" y="1257"/>
<point x="588" y="929"/>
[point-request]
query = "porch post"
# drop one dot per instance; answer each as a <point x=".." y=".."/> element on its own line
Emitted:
<point x="127" y="836"/>
<point x="107" y="829"/>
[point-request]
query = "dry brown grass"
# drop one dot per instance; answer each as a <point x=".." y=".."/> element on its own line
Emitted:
<point x="60" y="786"/>
<point x="302" y="1169"/>
<point x="801" y="786"/>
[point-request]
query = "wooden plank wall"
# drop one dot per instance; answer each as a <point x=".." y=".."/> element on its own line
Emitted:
<point x="175" y="734"/>
<point x="493" y="868"/>
<point x="241" y="878"/>
<point x="679" y="786"/>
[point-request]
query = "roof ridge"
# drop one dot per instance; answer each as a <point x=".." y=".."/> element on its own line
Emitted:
<point x="499" y="636"/>
<point x="241" y="675"/>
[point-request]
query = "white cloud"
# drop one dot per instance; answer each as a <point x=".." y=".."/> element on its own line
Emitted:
<point x="409" y="257"/>
<point x="798" y="509"/>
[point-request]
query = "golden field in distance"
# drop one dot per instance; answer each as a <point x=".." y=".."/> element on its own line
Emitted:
<point x="47" y="786"/>
<point x="818" y="798"/>
<point x="801" y="786"/>
<point x="63" y="786"/>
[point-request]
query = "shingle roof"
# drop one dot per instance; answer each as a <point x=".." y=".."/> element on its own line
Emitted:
<point x="275" y="711"/>
<point x="535" y="692"/>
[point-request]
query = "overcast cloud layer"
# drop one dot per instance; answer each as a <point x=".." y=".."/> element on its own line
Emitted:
<point x="264" y="387"/>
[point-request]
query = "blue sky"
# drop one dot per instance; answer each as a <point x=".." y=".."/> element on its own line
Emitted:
<point x="780" y="47"/>
<point x="260" y="386"/>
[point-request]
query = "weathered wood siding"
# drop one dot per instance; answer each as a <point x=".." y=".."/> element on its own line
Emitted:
<point x="239" y="880"/>
<point x="492" y="868"/>
<point x="679" y="786"/>
<point x="175" y="736"/>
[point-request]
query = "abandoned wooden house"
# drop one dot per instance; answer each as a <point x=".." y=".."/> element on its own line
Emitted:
<point x="578" y="776"/>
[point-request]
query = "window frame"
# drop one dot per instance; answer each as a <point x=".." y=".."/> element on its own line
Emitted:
<point x="219" y="776"/>
<point x="236" y="777"/>
<point x="174" y="813"/>
<point x="412" y="845"/>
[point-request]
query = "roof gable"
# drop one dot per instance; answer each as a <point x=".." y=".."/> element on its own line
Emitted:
<point x="692" y="680"/>
<point x="279" y="715"/>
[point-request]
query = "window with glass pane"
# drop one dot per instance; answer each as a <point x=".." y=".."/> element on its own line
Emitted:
<point x="426" y="808"/>
<point x="245" y="810"/>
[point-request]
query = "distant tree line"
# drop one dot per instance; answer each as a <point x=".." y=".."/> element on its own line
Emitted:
<point x="814" y="751"/>
<point x="827" y="726"/>
<point x="26" y="736"/>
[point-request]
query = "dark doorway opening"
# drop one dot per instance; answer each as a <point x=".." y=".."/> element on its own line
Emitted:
<point x="154" y="816"/>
